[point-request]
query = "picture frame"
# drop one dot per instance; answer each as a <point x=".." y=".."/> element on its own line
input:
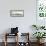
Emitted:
<point x="41" y="8"/>
<point x="40" y="12"/>
<point x="17" y="13"/>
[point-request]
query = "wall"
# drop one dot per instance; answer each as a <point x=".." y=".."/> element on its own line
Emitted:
<point x="24" y="23"/>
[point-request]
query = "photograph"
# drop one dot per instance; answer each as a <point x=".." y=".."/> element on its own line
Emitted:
<point x="17" y="13"/>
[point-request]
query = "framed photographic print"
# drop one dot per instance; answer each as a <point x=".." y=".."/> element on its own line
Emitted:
<point x="41" y="12"/>
<point x="41" y="8"/>
<point x="17" y="13"/>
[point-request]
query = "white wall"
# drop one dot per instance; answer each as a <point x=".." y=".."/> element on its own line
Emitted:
<point x="24" y="23"/>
